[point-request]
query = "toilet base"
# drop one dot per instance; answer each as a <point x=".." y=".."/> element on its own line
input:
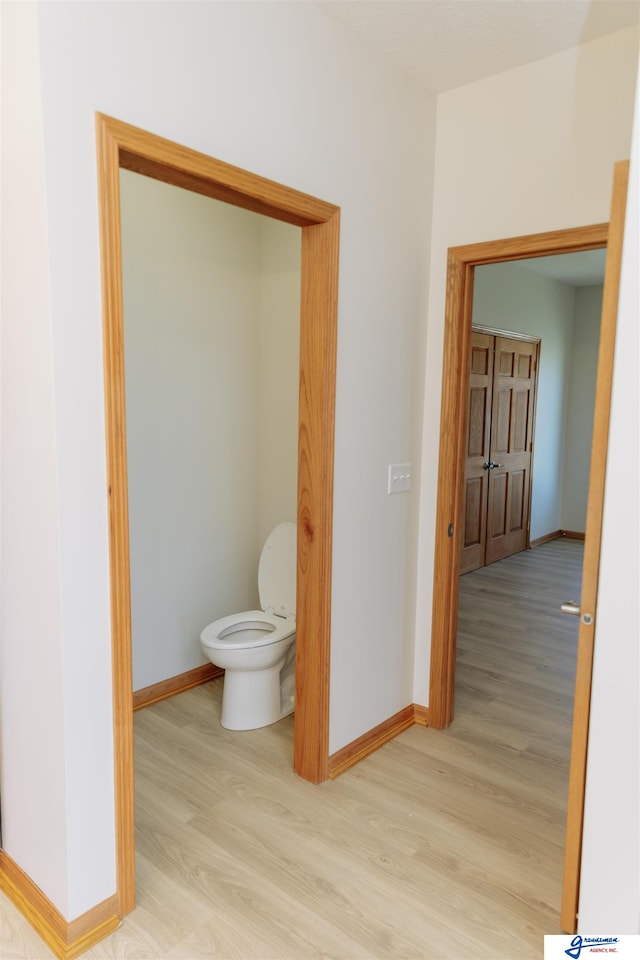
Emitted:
<point x="251" y="698"/>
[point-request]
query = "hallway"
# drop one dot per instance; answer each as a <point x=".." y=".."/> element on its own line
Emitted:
<point x="441" y="845"/>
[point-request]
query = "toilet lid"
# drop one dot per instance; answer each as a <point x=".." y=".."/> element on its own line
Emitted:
<point x="277" y="571"/>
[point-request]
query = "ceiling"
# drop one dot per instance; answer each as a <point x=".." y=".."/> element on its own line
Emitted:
<point x="447" y="43"/>
<point x="583" y="269"/>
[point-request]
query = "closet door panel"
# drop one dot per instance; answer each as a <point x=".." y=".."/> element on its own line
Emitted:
<point x="510" y="447"/>
<point x="474" y="533"/>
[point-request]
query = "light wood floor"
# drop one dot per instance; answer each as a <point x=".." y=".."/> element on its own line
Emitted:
<point x="444" y="845"/>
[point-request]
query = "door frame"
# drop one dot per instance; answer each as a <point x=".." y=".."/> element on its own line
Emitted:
<point x="458" y="310"/>
<point x="461" y="265"/>
<point x="120" y="145"/>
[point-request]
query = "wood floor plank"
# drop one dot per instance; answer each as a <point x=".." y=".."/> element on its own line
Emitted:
<point x="442" y="845"/>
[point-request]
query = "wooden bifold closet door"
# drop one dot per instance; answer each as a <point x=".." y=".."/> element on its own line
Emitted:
<point x="497" y="481"/>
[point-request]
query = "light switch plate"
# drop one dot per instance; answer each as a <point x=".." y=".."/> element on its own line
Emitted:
<point x="399" y="478"/>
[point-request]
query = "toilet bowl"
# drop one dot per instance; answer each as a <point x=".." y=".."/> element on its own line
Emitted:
<point x="257" y="648"/>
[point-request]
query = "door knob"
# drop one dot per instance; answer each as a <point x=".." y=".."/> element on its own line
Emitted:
<point x="490" y="465"/>
<point x="571" y="607"/>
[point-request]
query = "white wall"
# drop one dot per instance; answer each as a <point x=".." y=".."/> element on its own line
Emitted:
<point x="610" y="875"/>
<point x="283" y="91"/>
<point x="525" y="151"/>
<point x="32" y="760"/>
<point x="279" y="360"/>
<point x="580" y="403"/>
<point x="511" y="297"/>
<point x="191" y="357"/>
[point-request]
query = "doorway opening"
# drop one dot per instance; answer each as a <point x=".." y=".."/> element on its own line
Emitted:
<point x="121" y="145"/>
<point x="211" y="344"/>
<point x="462" y="262"/>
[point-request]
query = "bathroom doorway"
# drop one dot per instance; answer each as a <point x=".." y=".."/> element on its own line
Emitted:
<point x="211" y="297"/>
<point x="122" y="146"/>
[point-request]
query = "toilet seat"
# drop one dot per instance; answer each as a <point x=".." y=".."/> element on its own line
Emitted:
<point x="256" y="648"/>
<point x="277" y="590"/>
<point x="277" y="571"/>
<point x="230" y="633"/>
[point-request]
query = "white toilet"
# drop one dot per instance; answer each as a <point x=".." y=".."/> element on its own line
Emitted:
<point x="257" y="648"/>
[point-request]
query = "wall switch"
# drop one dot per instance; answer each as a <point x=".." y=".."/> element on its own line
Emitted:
<point x="399" y="478"/>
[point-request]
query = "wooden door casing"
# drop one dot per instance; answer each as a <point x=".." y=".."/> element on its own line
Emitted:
<point x="121" y="145"/>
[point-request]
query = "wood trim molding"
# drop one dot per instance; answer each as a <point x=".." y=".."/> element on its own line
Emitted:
<point x="533" y="245"/>
<point x="498" y="332"/>
<point x="458" y="320"/>
<point x="536" y="386"/>
<point x="591" y="562"/>
<point x="318" y="346"/>
<point x="173" y="685"/>
<point x="164" y="160"/>
<point x="421" y="715"/>
<point x="66" y="940"/>
<point x="358" y="749"/>
<point x="118" y="506"/>
<point x="122" y="145"/>
<point x="547" y="538"/>
<point x="455" y="384"/>
<point x="556" y="535"/>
